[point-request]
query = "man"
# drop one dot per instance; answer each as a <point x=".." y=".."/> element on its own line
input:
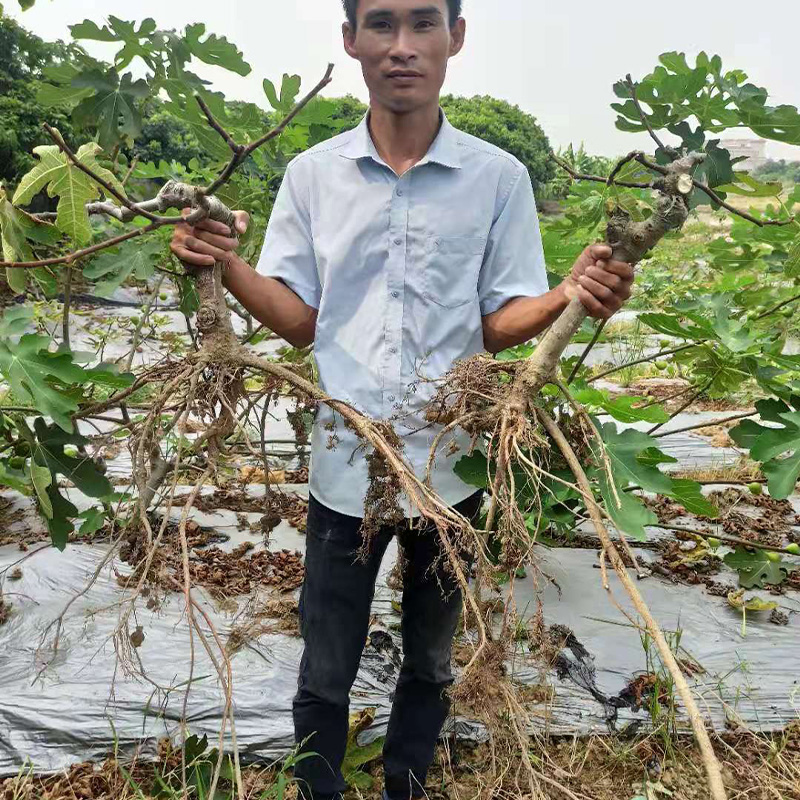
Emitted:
<point x="396" y="248"/>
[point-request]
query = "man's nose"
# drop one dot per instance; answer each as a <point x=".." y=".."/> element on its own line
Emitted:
<point x="403" y="46"/>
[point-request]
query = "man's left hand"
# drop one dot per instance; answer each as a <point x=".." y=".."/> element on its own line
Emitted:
<point x="602" y="285"/>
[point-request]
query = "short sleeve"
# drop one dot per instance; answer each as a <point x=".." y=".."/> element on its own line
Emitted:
<point x="288" y="252"/>
<point x="513" y="264"/>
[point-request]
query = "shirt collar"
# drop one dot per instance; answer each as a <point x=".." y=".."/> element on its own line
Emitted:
<point x="444" y="149"/>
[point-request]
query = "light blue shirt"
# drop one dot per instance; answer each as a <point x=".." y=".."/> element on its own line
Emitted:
<point x="401" y="270"/>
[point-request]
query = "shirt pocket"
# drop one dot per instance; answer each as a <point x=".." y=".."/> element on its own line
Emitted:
<point x="452" y="266"/>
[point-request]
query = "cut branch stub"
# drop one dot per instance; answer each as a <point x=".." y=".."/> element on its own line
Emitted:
<point x="630" y="242"/>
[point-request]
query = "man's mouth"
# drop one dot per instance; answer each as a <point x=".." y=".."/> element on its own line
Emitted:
<point x="404" y="76"/>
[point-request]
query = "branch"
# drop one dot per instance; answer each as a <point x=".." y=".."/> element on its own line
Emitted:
<point x="671" y="151"/>
<point x="585" y="354"/>
<point x="704" y="187"/>
<point x="87" y="251"/>
<point x="644" y="360"/>
<point x="164" y="200"/>
<point x="241" y="152"/>
<point x="580" y="176"/>
<point x="620" y="164"/>
<point x="701" y="391"/>
<point x="709" y="424"/>
<point x="723" y="537"/>
<point x="132" y="207"/>
<point x="237" y="148"/>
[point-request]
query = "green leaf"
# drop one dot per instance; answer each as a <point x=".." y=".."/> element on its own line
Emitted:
<point x="93" y="521"/>
<point x="627" y="512"/>
<point x="190" y="300"/>
<point x="41" y="478"/>
<point x="89" y="30"/>
<point x="792" y="265"/>
<point x="72" y="186"/>
<point x="473" y="470"/>
<point x="216" y="50"/>
<point x="717" y="169"/>
<point x="136" y="42"/>
<point x="17" y="230"/>
<point x="82" y="471"/>
<point x="634" y="459"/>
<point x="116" y="265"/>
<point x="50" y="95"/>
<point x="290" y="88"/>
<point x="769" y="445"/>
<point x="15" y="479"/>
<point x="673" y="325"/>
<point x="748" y="186"/>
<point x="623" y="408"/>
<point x="755" y="569"/>
<point x="15" y="321"/>
<point x="64" y="512"/>
<point x="689" y="494"/>
<point x="48" y="380"/>
<point x="114" y="106"/>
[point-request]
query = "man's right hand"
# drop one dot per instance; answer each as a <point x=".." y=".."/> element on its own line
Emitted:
<point x="207" y="242"/>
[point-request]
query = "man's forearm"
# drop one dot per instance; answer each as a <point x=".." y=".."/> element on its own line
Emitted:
<point x="522" y="318"/>
<point x="272" y="303"/>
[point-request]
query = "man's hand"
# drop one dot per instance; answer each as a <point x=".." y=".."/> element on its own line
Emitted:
<point x="204" y="244"/>
<point x="600" y="284"/>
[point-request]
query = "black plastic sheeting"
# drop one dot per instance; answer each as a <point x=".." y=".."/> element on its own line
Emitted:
<point x="82" y="704"/>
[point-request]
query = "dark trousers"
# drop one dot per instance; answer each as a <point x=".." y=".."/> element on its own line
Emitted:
<point x="334" y="621"/>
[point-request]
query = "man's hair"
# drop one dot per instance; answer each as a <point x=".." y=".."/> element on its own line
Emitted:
<point x="351" y="6"/>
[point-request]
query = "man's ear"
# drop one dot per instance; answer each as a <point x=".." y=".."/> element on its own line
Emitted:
<point x="349" y="38"/>
<point x="457" y="34"/>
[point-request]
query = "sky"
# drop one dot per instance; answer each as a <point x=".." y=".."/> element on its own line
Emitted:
<point x="555" y="59"/>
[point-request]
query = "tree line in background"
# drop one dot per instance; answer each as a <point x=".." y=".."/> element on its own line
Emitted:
<point x="29" y="68"/>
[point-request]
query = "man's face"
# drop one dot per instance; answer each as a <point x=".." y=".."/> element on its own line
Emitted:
<point x="403" y="47"/>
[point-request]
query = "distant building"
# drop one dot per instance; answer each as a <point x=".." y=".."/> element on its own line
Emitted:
<point x="754" y="150"/>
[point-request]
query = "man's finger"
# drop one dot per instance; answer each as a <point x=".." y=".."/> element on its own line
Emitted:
<point x="242" y="221"/>
<point x="592" y="305"/>
<point x="222" y="242"/>
<point x="213" y="226"/>
<point x="195" y="259"/>
<point x="600" y="251"/>
<point x="621" y="268"/>
<point x="199" y="246"/>
<point x="605" y="277"/>
<point x="598" y="290"/>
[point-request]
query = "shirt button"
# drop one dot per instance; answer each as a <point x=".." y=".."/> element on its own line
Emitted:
<point x="391" y="398"/>
<point x="398" y="242"/>
<point x="392" y="349"/>
<point x="395" y="294"/>
<point x="399" y="192"/>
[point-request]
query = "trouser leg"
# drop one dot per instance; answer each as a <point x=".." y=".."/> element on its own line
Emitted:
<point x="432" y="605"/>
<point x="334" y="620"/>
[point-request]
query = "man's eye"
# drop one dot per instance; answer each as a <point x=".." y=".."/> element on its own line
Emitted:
<point x="425" y="23"/>
<point x="380" y="25"/>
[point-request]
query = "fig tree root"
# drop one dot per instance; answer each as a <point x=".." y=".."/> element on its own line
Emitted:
<point x="710" y="761"/>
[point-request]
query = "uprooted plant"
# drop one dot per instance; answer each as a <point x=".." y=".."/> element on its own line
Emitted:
<point x="545" y="453"/>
